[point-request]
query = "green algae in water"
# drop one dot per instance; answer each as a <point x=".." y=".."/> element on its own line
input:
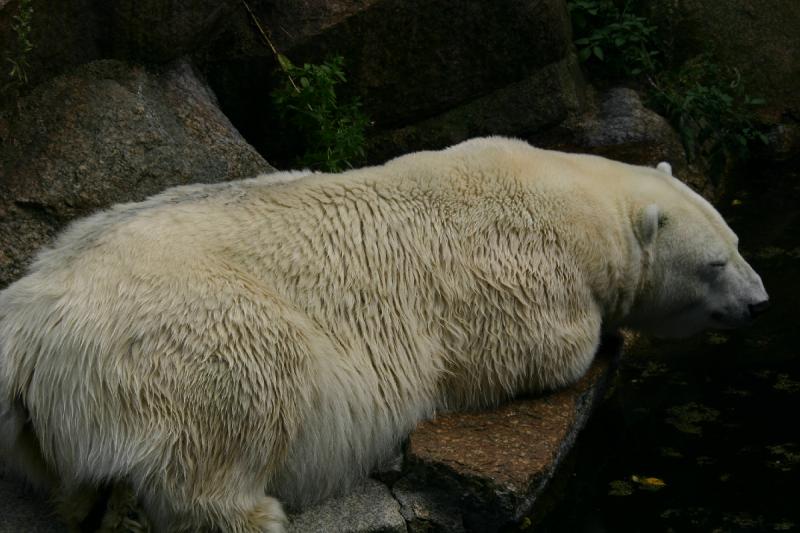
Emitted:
<point x="770" y="252"/>
<point x="688" y="418"/>
<point x="620" y="487"/>
<point x="671" y="452"/>
<point x="732" y="391"/>
<point x="654" y="369"/>
<point x="705" y="460"/>
<point x="787" y="384"/>
<point x="744" y="520"/>
<point x="784" y="457"/>
<point x="759" y="343"/>
<point x="717" y="338"/>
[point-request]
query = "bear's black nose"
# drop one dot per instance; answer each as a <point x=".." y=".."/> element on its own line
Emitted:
<point x="757" y="309"/>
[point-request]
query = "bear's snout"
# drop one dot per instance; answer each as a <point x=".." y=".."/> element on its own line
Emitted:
<point x="758" y="308"/>
<point x="753" y="300"/>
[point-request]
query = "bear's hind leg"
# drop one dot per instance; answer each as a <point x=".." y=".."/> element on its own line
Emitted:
<point x="262" y="514"/>
<point x="268" y="515"/>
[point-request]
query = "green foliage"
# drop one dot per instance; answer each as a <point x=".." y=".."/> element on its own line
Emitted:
<point x="613" y="41"/>
<point x="706" y="103"/>
<point x="333" y="132"/>
<point x="18" y="57"/>
<point x="710" y="109"/>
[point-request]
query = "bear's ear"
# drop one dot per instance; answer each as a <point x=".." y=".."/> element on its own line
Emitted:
<point x="648" y="224"/>
<point x="665" y="167"/>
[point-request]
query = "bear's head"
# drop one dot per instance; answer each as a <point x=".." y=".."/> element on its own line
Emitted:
<point x="693" y="277"/>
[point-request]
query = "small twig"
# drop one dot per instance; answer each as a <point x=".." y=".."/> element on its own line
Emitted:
<point x="269" y="43"/>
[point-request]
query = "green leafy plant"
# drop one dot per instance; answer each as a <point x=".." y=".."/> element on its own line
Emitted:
<point x="613" y="41"/>
<point x="18" y="56"/>
<point x="706" y="103"/>
<point x="710" y="108"/>
<point x="333" y="131"/>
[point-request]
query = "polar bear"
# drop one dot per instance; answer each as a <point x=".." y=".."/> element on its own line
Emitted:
<point x="226" y="349"/>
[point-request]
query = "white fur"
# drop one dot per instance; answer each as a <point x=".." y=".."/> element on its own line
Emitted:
<point x="648" y="225"/>
<point x="287" y="332"/>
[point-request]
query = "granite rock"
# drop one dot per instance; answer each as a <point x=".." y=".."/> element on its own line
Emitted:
<point x="617" y="125"/>
<point x="369" y="508"/>
<point x="107" y="132"/>
<point x="159" y="31"/>
<point x="423" y="70"/>
<point x="482" y="471"/>
<point x="545" y="98"/>
<point x="429" y="55"/>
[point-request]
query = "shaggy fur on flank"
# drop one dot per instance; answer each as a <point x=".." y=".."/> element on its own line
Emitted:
<point x="223" y="348"/>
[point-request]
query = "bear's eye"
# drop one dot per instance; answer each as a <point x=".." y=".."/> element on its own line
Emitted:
<point x="718" y="264"/>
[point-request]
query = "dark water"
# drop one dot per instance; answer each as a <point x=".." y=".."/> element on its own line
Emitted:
<point x="704" y="435"/>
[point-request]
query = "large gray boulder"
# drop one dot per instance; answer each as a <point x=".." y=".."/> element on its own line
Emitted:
<point x="424" y="70"/>
<point x="546" y="98"/>
<point x="429" y="73"/>
<point x="160" y="30"/>
<point x="428" y="56"/>
<point x="618" y="125"/>
<point x="622" y="128"/>
<point x="107" y="132"/>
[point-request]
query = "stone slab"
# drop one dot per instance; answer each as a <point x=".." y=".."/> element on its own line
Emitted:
<point x="370" y="508"/>
<point x="481" y="471"/>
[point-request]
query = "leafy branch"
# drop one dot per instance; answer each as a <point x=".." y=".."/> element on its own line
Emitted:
<point x="709" y="107"/>
<point x="333" y="132"/>
<point x="18" y="57"/>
